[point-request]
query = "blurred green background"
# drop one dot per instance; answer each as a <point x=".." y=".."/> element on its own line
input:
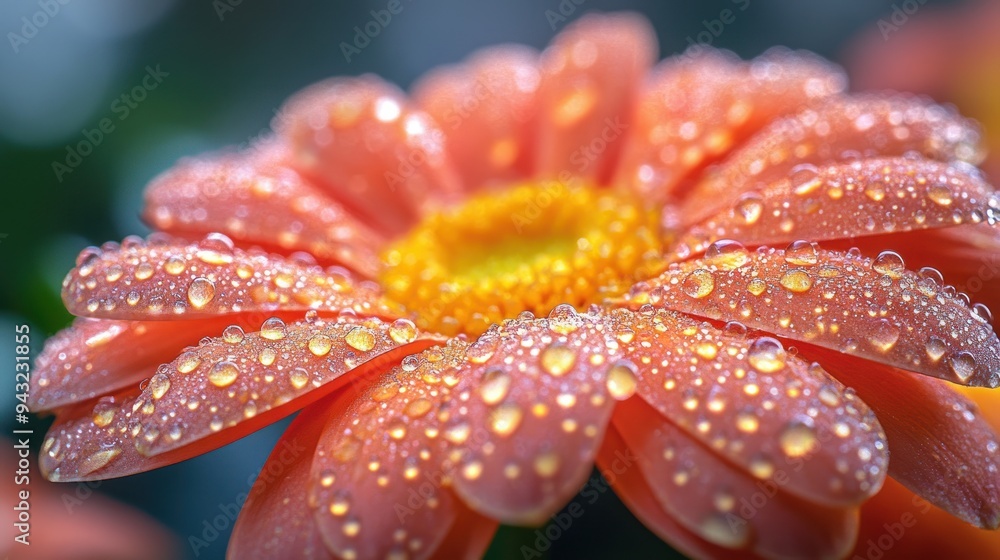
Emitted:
<point x="226" y="66"/>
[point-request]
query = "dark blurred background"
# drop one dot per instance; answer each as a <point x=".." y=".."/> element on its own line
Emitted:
<point x="223" y="68"/>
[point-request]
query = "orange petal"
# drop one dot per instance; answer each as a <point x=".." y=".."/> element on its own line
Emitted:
<point x="757" y="406"/>
<point x="634" y="490"/>
<point x="154" y="280"/>
<point x="872" y="308"/>
<point x="841" y="129"/>
<point x="727" y="506"/>
<point x="361" y="140"/>
<point x="380" y="468"/>
<point x="846" y="200"/>
<point x="966" y="256"/>
<point x="694" y="109"/>
<point x="590" y="78"/>
<point x="219" y="392"/>
<point x="897" y="523"/>
<point x="98" y="356"/>
<point x="941" y="446"/>
<point x="486" y="106"/>
<point x="540" y="403"/>
<point x="256" y="198"/>
<point x="276" y="521"/>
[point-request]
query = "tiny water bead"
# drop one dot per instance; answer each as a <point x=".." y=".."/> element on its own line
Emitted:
<point x="223" y="374"/>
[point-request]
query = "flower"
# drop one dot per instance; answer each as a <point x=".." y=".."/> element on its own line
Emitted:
<point x="665" y="227"/>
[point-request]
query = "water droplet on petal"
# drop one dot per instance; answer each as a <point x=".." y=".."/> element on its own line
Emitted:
<point x="360" y="338"/>
<point x="698" y="284"/>
<point x="796" y="280"/>
<point x="495" y="385"/>
<point x="158" y="385"/>
<point x="320" y="345"/>
<point x="963" y="365"/>
<point x="802" y="253"/>
<point x="403" y="331"/>
<point x="767" y="355"/>
<point x="750" y="207"/>
<point x="223" y="374"/>
<point x="884" y="336"/>
<point x="505" y="419"/>
<point x="273" y="329"/>
<point x="233" y="334"/>
<point x="726" y="254"/>
<point x="558" y="359"/>
<point x="889" y="263"/>
<point x="621" y="382"/>
<point x="798" y="439"/>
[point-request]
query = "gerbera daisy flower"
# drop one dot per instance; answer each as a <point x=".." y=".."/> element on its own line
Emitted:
<point x="538" y="262"/>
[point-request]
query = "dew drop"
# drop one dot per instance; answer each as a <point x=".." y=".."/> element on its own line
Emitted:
<point x="750" y="207"/>
<point x="298" y="377"/>
<point x="495" y="385"/>
<point x="802" y="253"/>
<point x="104" y="413"/>
<point x="798" y="439"/>
<point x="698" y="284"/>
<point x="360" y="339"/>
<point x="187" y="362"/>
<point x="403" y="331"/>
<point x="796" y="280"/>
<point x="159" y="385"/>
<point x="223" y="374"/>
<point x="174" y="266"/>
<point x="558" y="359"/>
<point x="622" y="382"/>
<point x="940" y="194"/>
<point x="273" y="329"/>
<point x="963" y="365"/>
<point x="889" y="263"/>
<point x="756" y="286"/>
<point x="747" y="422"/>
<point x="505" y="419"/>
<point x="767" y="355"/>
<point x="98" y="460"/>
<point x="201" y="292"/>
<point x="726" y="254"/>
<point x="884" y="336"/>
<point x="320" y="345"/>
<point x="233" y="334"/>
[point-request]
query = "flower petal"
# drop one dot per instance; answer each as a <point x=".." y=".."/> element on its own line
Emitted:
<point x="154" y="280"/>
<point x="380" y="470"/>
<point x="695" y="108"/>
<point x="590" y="78"/>
<point x="841" y="129"/>
<point x="486" y="107"/>
<point x="941" y="446"/>
<point x="219" y="392"/>
<point x="361" y="141"/>
<point x="725" y="505"/>
<point x="256" y="198"/>
<point x="634" y="490"/>
<point x="871" y="308"/>
<point x="276" y="521"/>
<point x="917" y="529"/>
<point x="846" y="200"/>
<point x="97" y="356"/>
<point x="758" y="407"/>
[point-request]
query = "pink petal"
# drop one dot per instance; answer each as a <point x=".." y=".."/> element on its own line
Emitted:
<point x="366" y="146"/>
<point x="255" y="198"/>
<point x="840" y="129"/>
<point x="727" y="506"/>
<point x="871" y="308"/>
<point x="220" y="392"/>
<point x="486" y="108"/>
<point x="276" y="521"/>
<point x="590" y="79"/>
<point x="847" y="200"/>
<point x="634" y="490"/>
<point x="941" y="446"/>
<point x="170" y="280"/>
<point x="756" y="406"/>
<point x="694" y="109"/>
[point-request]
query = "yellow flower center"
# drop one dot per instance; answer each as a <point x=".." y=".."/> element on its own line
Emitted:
<point x="527" y="248"/>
